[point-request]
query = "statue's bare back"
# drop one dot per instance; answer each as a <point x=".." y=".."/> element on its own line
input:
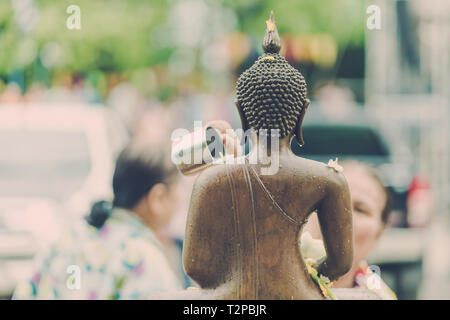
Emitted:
<point x="244" y="228"/>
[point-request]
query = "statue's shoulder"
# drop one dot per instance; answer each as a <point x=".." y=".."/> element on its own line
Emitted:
<point x="212" y="187"/>
<point x="331" y="174"/>
<point x="214" y="177"/>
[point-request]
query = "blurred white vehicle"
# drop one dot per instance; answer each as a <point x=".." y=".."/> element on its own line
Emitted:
<point x="54" y="162"/>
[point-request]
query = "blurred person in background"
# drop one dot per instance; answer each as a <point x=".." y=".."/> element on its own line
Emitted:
<point x="121" y="254"/>
<point x="155" y="122"/>
<point x="12" y="94"/>
<point x="371" y="203"/>
<point x="128" y="102"/>
<point x="334" y="100"/>
<point x="35" y="94"/>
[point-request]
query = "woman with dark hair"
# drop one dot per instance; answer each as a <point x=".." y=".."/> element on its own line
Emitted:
<point x="120" y="255"/>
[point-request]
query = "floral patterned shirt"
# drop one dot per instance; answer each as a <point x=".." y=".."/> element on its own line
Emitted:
<point x="122" y="260"/>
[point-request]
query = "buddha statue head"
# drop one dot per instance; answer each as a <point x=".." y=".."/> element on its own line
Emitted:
<point x="271" y="94"/>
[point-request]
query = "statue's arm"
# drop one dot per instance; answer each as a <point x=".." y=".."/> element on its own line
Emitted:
<point x="205" y="232"/>
<point x="194" y="235"/>
<point x="335" y="218"/>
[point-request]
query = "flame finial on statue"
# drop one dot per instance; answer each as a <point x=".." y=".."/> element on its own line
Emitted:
<point x="271" y="94"/>
<point x="272" y="42"/>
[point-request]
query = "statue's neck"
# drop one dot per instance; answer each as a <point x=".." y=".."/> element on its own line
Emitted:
<point x="268" y="146"/>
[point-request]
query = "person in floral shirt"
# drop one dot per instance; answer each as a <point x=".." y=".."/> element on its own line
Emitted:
<point x="118" y="254"/>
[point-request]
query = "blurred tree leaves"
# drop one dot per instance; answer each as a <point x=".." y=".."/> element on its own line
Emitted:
<point x="342" y="19"/>
<point x="117" y="35"/>
<point x="114" y="34"/>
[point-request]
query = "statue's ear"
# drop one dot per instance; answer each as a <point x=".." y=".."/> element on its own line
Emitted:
<point x="244" y="122"/>
<point x="298" y="128"/>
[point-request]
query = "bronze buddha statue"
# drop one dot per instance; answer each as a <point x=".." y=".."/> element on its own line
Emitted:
<point x="243" y="227"/>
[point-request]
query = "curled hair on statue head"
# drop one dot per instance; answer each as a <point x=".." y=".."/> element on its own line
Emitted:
<point x="271" y="94"/>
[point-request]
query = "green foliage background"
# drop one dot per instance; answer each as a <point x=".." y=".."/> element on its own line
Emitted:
<point x="118" y="35"/>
